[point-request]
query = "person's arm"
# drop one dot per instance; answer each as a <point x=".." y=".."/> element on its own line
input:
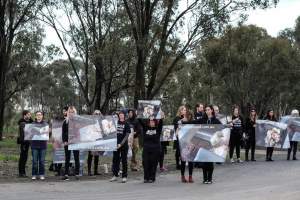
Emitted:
<point x="65" y="133"/>
<point x="127" y="132"/>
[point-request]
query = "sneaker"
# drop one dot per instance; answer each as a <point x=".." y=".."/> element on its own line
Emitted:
<point x="65" y="178"/>
<point x="114" y="178"/>
<point x="295" y="158"/>
<point x="205" y="182"/>
<point x="146" y="181"/>
<point x="151" y="181"/>
<point x="124" y="180"/>
<point x="163" y="169"/>
<point x="33" y="178"/>
<point x="209" y="182"/>
<point x="42" y="178"/>
<point x="232" y="160"/>
<point x="239" y="160"/>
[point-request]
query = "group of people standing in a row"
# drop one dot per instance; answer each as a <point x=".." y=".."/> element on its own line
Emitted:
<point x="148" y="131"/>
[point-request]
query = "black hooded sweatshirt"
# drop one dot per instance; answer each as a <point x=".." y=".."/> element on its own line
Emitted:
<point x="21" y="124"/>
<point x="135" y="124"/>
<point x="151" y="135"/>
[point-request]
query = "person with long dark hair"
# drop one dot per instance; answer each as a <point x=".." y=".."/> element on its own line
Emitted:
<point x="93" y="154"/>
<point x="65" y="138"/>
<point x="250" y="135"/>
<point x="208" y="167"/>
<point x="24" y="145"/>
<point x="38" y="151"/>
<point x="237" y="128"/>
<point x="152" y="129"/>
<point x="123" y="131"/>
<point x="293" y="144"/>
<point x="271" y="117"/>
<point x="183" y="116"/>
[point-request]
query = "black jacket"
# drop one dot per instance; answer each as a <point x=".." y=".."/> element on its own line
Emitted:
<point x="151" y="135"/>
<point x="21" y="124"/>
<point x="65" y="131"/>
<point x="123" y="131"/>
<point x="249" y="128"/>
<point x="135" y="125"/>
<point x="238" y="126"/>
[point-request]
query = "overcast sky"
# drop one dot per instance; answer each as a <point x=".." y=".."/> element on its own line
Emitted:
<point x="273" y="20"/>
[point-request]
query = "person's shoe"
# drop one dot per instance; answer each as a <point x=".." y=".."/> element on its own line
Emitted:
<point x="97" y="174"/>
<point x="90" y="174"/>
<point x="134" y="169"/>
<point x="114" y="178"/>
<point x="150" y="181"/>
<point x="288" y="158"/>
<point x="163" y="169"/>
<point x="209" y="182"/>
<point x="253" y="160"/>
<point x="65" y="178"/>
<point x="247" y="160"/>
<point x="124" y="180"/>
<point x="191" y="179"/>
<point x="77" y="177"/>
<point x="205" y="182"/>
<point x="271" y="159"/>
<point x="295" y="158"/>
<point x="42" y="178"/>
<point x="33" y="178"/>
<point x="239" y="160"/>
<point x="146" y="181"/>
<point x="232" y="160"/>
<point x="183" y="179"/>
<point x="22" y="176"/>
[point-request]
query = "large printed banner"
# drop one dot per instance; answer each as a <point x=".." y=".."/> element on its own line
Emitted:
<point x="147" y="109"/>
<point x="271" y="134"/>
<point x="203" y="143"/>
<point x="58" y="147"/>
<point x="36" y="131"/>
<point x="168" y="133"/>
<point x="224" y="119"/>
<point x="92" y="132"/>
<point x="293" y="127"/>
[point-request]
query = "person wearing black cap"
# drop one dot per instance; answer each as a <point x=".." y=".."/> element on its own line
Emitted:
<point x="135" y="126"/>
<point x="250" y="135"/>
<point x="123" y="131"/>
<point x="271" y="117"/>
<point x="24" y="145"/>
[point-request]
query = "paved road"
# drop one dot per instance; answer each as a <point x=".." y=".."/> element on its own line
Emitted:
<point x="255" y="180"/>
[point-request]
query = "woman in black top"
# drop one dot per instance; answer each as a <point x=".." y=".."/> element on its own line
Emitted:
<point x="183" y="116"/>
<point x="250" y="133"/>
<point x="123" y="131"/>
<point x="152" y="129"/>
<point x="208" y="167"/>
<point x="270" y="116"/>
<point x="237" y="127"/>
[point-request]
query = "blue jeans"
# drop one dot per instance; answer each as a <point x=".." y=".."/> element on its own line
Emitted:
<point x="38" y="162"/>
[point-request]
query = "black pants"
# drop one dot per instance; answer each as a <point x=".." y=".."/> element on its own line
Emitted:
<point x="120" y="155"/>
<point x="235" y="143"/>
<point x="177" y="153"/>
<point x="293" y="146"/>
<point x="190" y="165"/>
<point x="89" y="162"/>
<point x="208" y="169"/>
<point x="67" y="160"/>
<point x="150" y="161"/>
<point x="24" y="147"/>
<point x="162" y="155"/>
<point x="269" y="153"/>
<point x="250" y="145"/>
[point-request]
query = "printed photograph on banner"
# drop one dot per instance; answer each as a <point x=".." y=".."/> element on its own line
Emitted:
<point x="224" y="119"/>
<point x="203" y="143"/>
<point x="271" y="134"/>
<point x="167" y="133"/>
<point x="91" y="132"/>
<point x="293" y="127"/>
<point x="147" y="109"/>
<point x="36" y="131"/>
<point x="56" y="136"/>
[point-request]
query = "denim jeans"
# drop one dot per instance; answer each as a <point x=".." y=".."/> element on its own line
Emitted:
<point x="38" y="162"/>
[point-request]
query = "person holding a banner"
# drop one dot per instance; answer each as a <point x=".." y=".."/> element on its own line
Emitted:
<point x="65" y="138"/>
<point x="183" y="117"/>
<point x="250" y="135"/>
<point x="123" y="131"/>
<point x="293" y="144"/>
<point x="38" y="150"/>
<point x="94" y="154"/>
<point x="152" y="129"/>
<point x="24" y="145"/>
<point x="208" y="167"/>
<point x="136" y="127"/>
<point x="237" y="128"/>
<point x="271" y="117"/>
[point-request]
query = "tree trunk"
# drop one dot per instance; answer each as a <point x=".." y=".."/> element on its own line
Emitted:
<point x="139" y="89"/>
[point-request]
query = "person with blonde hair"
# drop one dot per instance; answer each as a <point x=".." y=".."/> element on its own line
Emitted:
<point x="65" y="138"/>
<point x="183" y="116"/>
